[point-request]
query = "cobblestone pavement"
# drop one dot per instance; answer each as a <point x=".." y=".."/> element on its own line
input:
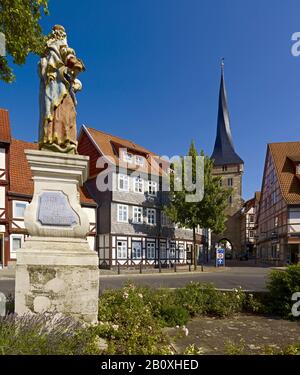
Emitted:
<point x="253" y="333"/>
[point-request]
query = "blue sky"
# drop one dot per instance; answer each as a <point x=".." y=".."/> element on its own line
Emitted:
<point x="153" y="71"/>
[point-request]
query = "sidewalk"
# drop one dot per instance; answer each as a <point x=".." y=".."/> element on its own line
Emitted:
<point x="164" y="271"/>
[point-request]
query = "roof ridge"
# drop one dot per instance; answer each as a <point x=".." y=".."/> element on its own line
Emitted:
<point x="121" y="139"/>
<point x="282" y="143"/>
<point x="112" y="135"/>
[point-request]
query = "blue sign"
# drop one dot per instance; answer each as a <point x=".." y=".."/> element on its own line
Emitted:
<point x="220" y="257"/>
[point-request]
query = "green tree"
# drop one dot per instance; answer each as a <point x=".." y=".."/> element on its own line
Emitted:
<point x="19" y="22"/>
<point x="207" y="213"/>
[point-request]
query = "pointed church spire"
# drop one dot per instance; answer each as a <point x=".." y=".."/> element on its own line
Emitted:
<point x="224" y="152"/>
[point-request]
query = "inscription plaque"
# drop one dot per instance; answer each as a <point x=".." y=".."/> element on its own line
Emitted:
<point x="54" y="209"/>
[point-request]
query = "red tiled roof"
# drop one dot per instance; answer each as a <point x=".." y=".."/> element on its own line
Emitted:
<point x="4" y="126"/>
<point x="20" y="173"/>
<point x="110" y="145"/>
<point x="283" y="154"/>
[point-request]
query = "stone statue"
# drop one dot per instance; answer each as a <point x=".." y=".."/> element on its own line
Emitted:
<point x="58" y="70"/>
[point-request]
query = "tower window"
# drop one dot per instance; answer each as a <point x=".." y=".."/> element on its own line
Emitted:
<point x="230" y="181"/>
<point x="224" y="168"/>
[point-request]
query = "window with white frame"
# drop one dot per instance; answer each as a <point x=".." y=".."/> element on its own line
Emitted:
<point x="172" y="250"/>
<point x="150" y="250"/>
<point x="127" y="156"/>
<point x="152" y="187"/>
<point x="19" y="208"/>
<point x="15" y="244"/>
<point x="151" y="216"/>
<point x="138" y="215"/>
<point x="121" y="249"/>
<point x="181" y="250"/>
<point x="138" y="185"/>
<point x="139" y="160"/>
<point x="123" y="182"/>
<point x="136" y="251"/>
<point x="251" y="218"/>
<point x="122" y="213"/>
<point x="163" y="250"/>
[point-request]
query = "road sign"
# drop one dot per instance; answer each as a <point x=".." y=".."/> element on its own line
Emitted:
<point x="220" y="257"/>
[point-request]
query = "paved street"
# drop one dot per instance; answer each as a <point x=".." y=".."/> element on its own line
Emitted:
<point x="250" y="278"/>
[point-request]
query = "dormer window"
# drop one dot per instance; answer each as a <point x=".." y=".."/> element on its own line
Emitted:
<point x="127" y="156"/>
<point x="139" y="160"/>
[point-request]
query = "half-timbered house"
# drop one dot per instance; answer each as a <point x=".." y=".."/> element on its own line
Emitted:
<point x="279" y="210"/>
<point x="248" y="225"/>
<point x="131" y="224"/>
<point x="5" y="140"/>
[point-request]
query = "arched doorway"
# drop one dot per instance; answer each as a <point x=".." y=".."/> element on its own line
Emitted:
<point x="227" y="245"/>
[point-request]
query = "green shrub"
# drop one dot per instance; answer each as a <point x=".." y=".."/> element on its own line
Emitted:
<point x="255" y="303"/>
<point x="192" y="349"/>
<point x="174" y="315"/>
<point x="195" y="297"/>
<point x="281" y="286"/>
<point x="45" y="334"/>
<point x="205" y="299"/>
<point x="128" y="324"/>
<point x="232" y="348"/>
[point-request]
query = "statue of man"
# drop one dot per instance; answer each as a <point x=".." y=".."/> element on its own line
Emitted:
<point x="58" y="71"/>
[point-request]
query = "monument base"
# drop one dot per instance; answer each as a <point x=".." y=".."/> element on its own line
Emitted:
<point x="58" y="276"/>
<point x="56" y="270"/>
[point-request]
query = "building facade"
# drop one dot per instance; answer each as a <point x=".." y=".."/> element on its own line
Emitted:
<point x="229" y="166"/>
<point x="5" y="140"/>
<point x="248" y="225"/>
<point x="132" y="227"/>
<point x="16" y="190"/>
<point x="278" y="223"/>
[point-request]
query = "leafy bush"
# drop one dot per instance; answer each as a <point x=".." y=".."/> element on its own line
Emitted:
<point x="205" y="299"/>
<point x="174" y="315"/>
<point x="255" y="303"/>
<point x="232" y="348"/>
<point x="128" y="324"/>
<point x="45" y="334"/>
<point x="281" y="286"/>
<point x="192" y="349"/>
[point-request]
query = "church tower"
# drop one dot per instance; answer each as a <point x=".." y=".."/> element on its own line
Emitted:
<point x="229" y="166"/>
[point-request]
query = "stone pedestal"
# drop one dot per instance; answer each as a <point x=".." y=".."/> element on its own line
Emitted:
<point x="56" y="270"/>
